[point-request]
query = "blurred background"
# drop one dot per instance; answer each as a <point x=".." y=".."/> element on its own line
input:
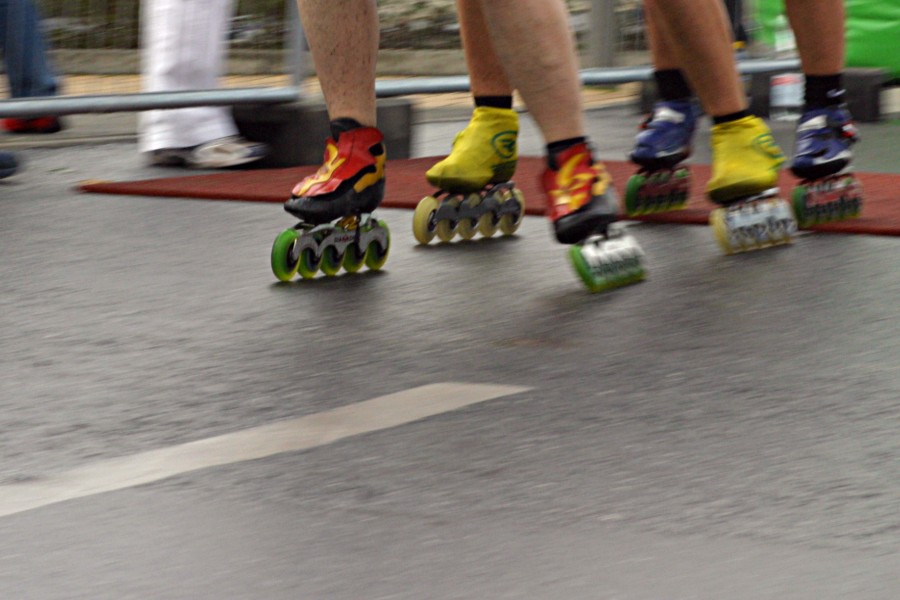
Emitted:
<point x="95" y="43"/>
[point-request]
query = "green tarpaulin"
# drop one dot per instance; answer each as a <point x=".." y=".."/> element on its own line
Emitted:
<point x="873" y="31"/>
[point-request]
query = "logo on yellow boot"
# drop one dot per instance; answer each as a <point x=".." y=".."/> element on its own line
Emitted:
<point x="504" y="144"/>
<point x="765" y="144"/>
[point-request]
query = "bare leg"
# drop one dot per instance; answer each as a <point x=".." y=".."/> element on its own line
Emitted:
<point x="819" y="29"/>
<point x="343" y="38"/>
<point x="662" y="51"/>
<point x="533" y="41"/>
<point x="485" y="70"/>
<point x="701" y="42"/>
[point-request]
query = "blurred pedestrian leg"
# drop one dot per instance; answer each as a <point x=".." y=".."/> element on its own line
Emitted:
<point x="27" y="67"/>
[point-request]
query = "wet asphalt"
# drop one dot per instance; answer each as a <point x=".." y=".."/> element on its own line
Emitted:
<point x="726" y="429"/>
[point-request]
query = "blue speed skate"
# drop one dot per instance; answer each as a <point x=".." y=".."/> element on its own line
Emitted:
<point x="663" y="142"/>
<point x="828" y="191"/>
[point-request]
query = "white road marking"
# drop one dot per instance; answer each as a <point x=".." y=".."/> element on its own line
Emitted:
<point x="284" y="436"/>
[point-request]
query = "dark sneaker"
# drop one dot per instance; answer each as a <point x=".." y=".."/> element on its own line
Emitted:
<point x="8" y="164"/>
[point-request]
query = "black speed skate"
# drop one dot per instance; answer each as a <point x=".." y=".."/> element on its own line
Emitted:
<point x="662" y="145"/>
<point x="582" y="207"/>
<point x="336" y="228"/>
<point x="828" y="191"/>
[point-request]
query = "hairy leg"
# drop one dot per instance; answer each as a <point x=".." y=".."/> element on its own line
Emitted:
<point x="343" y="39"/>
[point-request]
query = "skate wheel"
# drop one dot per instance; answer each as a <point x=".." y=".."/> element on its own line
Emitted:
<point x="332" y="261"/>
<point x="509" y="223"/>
<point x="633" y="204"/>
<point x="446" y="229"/>
<point x="376" y="256"/>
<point x="354" y="259"/>
<point x="487" y="224"/>
<point x="466" y="228"/>
<point x="283" y="266"/>
<point x="798" y="199"/>
<point x="424" y="222"/>
<point x="678" y="199"/>
<point x="720" y="230"/>
<point x="308" y="265"/>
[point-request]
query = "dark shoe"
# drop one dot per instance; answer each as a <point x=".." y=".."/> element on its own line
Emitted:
<point x="8" y="164"/>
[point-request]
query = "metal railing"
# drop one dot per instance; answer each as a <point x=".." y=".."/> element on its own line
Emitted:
<point x="95" y="35"/>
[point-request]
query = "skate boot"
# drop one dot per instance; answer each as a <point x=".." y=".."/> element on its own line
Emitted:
<point x="582" y="207"/>
<point x="663" y="143"/>
<point x="474" y="187"/>
<point x="334" y="205"/>
<point x="828" y="190"/>
<point x="745" y="183"/>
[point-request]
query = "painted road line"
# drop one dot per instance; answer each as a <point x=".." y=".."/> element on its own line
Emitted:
<point x="259" y="442"/>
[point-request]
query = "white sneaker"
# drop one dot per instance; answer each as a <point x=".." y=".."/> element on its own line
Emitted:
<point x="222" y="153"/>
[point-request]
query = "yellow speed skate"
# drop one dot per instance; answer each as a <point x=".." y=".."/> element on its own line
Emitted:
<point x="744" y="182"/>
<point x="474" y="188"/>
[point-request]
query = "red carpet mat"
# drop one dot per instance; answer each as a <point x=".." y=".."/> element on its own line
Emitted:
<point x="406" y="186"/>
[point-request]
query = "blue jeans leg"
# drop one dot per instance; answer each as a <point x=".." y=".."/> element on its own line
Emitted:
<point x="24" y="50"/>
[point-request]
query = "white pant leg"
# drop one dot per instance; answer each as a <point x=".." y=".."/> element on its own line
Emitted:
<point x="183" y="47"/>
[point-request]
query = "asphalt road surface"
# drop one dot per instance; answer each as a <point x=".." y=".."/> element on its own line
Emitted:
<point x="467" y="424"/>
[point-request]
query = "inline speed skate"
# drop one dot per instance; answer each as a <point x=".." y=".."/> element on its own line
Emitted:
<point x="474" y="188"/>
<point x="582" y="207"/>
<point x="663" y="143"/>
<point x="337" y="229"/>
<point x="828" y="191"/>
<point x="744" y="182"/>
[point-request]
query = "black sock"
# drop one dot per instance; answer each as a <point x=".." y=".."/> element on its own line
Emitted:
<point x="671" y="85"/>
<point x="339" y="126"/>
<point x="823" y="90"/>
<point x="494" y="101"/>
<point x="559" y="146"/>
<point x="731" y="117"/>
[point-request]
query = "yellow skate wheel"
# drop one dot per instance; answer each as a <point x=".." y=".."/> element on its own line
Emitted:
<point x="282" y="266"/>
<point x="720" y="230"/>
<point x="510" y="223"/>
<point x="332" y="261"/>
<point x="354" y="259"/>
<point x="487" y="224"/>
<point x="466" y="228"/>
<point x="424" y="223"/>
<point x="376" y="256"/>
<point x="308" y="265"/>
<point x="446" y="229"/>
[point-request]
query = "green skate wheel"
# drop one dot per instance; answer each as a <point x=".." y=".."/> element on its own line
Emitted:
<point x="633" y="205"/>
<point x="332" y="261"/>
<point x="308" y="265"/>
<point x="376" y="256"/>
<point x="679" y="199"/>
<point x="467" y="228"/>
<point x="353" y="259"/>
<point x="798" y="199"/>
<point x="509" y="224"/>
<point x="282" y="265"/>
<point x="424" y="223"/>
